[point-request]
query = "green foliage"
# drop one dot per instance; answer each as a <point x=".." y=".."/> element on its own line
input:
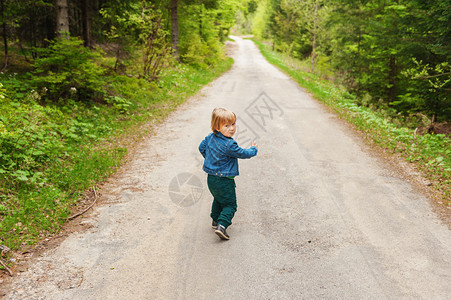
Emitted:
<point x="28" y="140"/>
<point x="199" y="53"/>
<point x="202" y="30"/>
<point x="2" y="92"/>
<point x="119" y="103"/>
<point x="428" y="89"/>
<point x="260" y="20"/>
<point x="157" y="50"/>
<point x="138" y="24"/>
<point x="395" y="51"/>
<point x="66" y="69"/>
<point x="17" y="87"/>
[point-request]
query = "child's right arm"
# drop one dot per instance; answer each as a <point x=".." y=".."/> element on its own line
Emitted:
<point x="236" y="151"/>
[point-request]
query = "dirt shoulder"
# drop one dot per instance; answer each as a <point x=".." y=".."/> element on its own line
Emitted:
<point x="407" y="171"/>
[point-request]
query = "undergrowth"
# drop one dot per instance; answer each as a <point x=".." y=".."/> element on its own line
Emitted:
<point x="431" y="153"/>
<point x="52" y="152"/>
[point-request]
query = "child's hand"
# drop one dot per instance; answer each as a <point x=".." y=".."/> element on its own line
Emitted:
<point x="254" y="144"/>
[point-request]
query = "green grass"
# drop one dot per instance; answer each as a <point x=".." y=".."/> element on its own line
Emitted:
<point x="52" y="153"/>
<point x="430" y="153"/>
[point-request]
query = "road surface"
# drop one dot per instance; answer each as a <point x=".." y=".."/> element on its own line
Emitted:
<point x="319" y="216"/>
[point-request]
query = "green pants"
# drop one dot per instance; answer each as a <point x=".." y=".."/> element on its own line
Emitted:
<point x="224" y="203"/>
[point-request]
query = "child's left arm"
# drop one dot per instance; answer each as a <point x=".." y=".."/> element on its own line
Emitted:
<point x="236" y="151"/>
<point x="203" y="147"/>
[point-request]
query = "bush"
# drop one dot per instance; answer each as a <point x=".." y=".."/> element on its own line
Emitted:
<point x="68" y="70"/>
<point x="199" y="53"/>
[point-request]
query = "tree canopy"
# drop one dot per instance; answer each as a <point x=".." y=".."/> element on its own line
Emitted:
<point x="119" y="25"/>
<point x="392" y="53"/>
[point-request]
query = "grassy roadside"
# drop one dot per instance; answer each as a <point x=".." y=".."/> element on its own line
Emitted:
<point x="430" y="153"/>
<point x="67" y="149"/>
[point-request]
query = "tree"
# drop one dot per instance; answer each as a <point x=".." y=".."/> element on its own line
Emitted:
<point x="175" y="28"/>
<point x="157" y="49"/>
<point x="393" y="54"/>
<point x="65" y="66"/>
<point x="314" y="32"/>
<point x="86" y="17"/>
<point x="4" y="28"/>
<point x="62" y="18"/>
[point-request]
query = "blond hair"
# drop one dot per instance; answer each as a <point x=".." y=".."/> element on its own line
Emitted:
<point x="221" y="116"/>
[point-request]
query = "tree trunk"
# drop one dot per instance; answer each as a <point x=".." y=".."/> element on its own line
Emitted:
<point x="62" y="18"/>
<point x="357" y="61"/>
<point x="392" y="79"/>
<point x="314" y="35"/>
<point x="201" y="16"/>
<point x="49" y="28"/>
<point x="86" y="16"/>
<point x="175" y="29"/>
<point x="5" y="33"/>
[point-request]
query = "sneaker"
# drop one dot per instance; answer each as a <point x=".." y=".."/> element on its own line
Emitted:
<point x="221" y="232"/>
<point x="214" y="224"/>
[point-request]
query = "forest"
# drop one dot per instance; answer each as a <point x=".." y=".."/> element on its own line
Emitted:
<point x="81" y="79"/>
<point x="393" y="55"/>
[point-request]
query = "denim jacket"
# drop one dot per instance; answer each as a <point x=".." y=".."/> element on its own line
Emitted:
<point x="221" y="155"/>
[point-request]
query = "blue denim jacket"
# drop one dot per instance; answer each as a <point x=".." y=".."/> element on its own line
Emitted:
<point x="221" y="155"/>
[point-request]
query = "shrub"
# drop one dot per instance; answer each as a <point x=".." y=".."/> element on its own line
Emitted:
<point x="66" y="69"/>
<point x="200" y="53"/>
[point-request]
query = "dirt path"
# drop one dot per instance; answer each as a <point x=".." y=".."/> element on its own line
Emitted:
<point x="318" y="216"/>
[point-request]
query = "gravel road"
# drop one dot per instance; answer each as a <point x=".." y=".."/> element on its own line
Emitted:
<point x="319" y="216"/>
